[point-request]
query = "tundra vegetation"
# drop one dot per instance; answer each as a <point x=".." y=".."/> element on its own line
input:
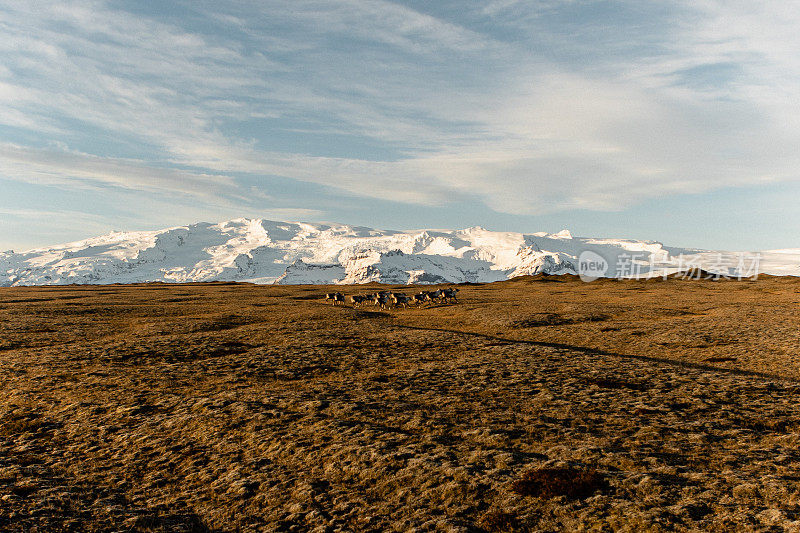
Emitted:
<point x="536" y="404"/>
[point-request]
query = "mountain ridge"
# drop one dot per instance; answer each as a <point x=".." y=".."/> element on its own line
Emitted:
<point x="266" y="251"/>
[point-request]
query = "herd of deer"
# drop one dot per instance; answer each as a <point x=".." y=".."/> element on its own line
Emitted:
<point x="386" y="299"/>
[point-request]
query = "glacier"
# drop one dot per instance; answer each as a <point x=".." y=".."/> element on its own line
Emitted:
<point x="266" y="252"/>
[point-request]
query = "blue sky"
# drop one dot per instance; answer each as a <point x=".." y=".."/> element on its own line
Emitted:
<point x="676" y="121"/>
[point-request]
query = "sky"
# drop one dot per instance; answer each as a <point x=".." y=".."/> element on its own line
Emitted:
<point x="676" y="121"/>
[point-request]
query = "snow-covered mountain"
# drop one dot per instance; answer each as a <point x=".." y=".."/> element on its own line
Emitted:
<point x="263" y="251"/>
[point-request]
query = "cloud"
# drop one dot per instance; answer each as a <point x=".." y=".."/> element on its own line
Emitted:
<point x="503" y="104"/>
<point x="84" y="170"/>
<point x="382" y="21"/>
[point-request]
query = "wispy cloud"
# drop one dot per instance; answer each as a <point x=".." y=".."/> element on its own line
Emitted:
<point x="526" y="107"/>
<point x="90" y="171"/>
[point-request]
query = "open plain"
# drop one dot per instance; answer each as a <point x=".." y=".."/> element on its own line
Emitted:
<point x="536" y="404"/>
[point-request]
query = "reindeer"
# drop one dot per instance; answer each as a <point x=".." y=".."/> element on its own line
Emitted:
<point x="358" y="299"/>
<point x="335" y="297"/>
<point x="420" y="298"/>
<point x="400" y="299"/>
<point x="381" y="300"/>
<point x="449" y="294"/>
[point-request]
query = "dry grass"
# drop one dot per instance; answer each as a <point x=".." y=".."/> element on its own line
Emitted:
<point x="554" y="319"/>
<point x="613" y="383"/>
<point x="499" y="521"/>
<point x="570" y="482"/>
<point x="224" y="407"/>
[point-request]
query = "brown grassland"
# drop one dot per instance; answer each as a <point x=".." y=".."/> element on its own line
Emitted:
<point x="537" y="404"/>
